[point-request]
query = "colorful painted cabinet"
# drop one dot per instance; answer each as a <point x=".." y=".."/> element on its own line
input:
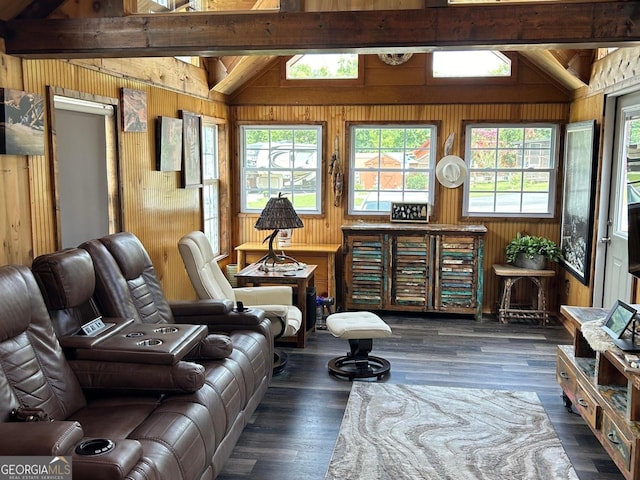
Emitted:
<point x="413" y="267"/>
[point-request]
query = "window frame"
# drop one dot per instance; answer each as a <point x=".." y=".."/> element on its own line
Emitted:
<point x="319" y="82"/>
<point x="503" y="80"/>
<point x="218" y="182"/>
<point x="320" y="178"/>
<point x="351" y="128"/>
<point x="554" y="171"/>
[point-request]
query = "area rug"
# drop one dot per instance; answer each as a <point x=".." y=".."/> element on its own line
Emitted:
<point x="425" y="432"/>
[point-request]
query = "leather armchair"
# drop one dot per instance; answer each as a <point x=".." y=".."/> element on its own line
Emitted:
<point x="210" y="283"/>
<point x="34" y="372"/>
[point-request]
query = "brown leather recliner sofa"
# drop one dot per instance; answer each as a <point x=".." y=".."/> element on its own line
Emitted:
<point x="171" y="411"/>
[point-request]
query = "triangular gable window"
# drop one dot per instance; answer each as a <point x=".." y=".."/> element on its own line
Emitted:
<point x="318" y="66"/>
<point x="470" y="63"/>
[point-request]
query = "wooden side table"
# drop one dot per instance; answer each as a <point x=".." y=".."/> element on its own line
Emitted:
<point x="325" y="256"/>
<point x="509" y="276"/>
<point x="300" y="280"/>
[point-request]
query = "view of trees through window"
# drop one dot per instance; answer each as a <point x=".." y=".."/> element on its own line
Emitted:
<point x="512" y="169"/>
<point x="390" y="164"/>
<point x="323" y="66"/>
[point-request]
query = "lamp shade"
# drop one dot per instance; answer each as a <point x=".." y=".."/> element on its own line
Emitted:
<point x="278" y="213"/>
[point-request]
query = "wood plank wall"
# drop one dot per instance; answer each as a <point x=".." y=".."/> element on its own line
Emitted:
<point x="15" y="217"/>
<point x="158" y="211"/>
<point x="155" y="208"/>
<point x="449" y="201"/>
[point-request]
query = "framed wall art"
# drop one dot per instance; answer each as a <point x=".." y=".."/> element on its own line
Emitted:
<point x="168" y="144"/>
<point x="578" y="192"/>
<point x="409" y="212"/>
<point x="21" y="123"/>
<point x="134" y="110"/>
<point x="191" y="150"/>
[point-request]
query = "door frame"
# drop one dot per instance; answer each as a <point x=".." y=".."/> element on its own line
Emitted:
<point x="609" y="121"/>
<point x="116" y="212"/>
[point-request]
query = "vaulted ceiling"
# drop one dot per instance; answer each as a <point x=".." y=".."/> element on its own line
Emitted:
<point x="237" y="38"/>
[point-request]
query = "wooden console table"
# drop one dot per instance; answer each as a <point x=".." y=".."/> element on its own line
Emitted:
<point x="325" y="256"/>
<point x="605" y="391"/>
<point x="510" y="276"/>
<point x="300" y="280"/>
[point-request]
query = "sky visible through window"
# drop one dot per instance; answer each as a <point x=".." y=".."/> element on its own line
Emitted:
<point x="471" y="63"/>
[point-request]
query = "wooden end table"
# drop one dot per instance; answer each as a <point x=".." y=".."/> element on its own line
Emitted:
<point x="300" y="280"/>
<point x="509" y="276"/>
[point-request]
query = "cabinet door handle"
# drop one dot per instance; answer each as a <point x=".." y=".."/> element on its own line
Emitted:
<point x="582" y="402"/>
<point x="565" y="375"/>
<point x="613" y="438"/>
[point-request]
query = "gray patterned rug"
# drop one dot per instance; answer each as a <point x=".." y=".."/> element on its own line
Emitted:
<point x="423" y="432"/>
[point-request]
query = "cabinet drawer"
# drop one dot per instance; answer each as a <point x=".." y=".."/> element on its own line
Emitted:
<point x="588" y="407"/>
<point x="566" y="374"/>
<point x="619" y="445"/>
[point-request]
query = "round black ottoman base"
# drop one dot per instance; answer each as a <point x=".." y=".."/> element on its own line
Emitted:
<point x="350" y="368"/>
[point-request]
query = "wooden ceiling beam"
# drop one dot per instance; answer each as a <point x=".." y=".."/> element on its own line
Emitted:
<point x="506" y="27"/>
<point x="40" y="9"/>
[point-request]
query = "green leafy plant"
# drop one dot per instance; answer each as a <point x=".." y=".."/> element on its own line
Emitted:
<point x="531" y="245"/>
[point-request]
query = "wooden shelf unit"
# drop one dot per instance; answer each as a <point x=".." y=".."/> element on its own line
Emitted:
<point x="604" y="390"/>
<point x="413" y="267"/>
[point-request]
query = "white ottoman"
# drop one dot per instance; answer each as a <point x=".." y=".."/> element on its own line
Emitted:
<point x="360" y="328"/>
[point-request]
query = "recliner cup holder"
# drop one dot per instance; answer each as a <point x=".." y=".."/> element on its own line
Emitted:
<point x="97" y="446"/>
<point x="151" y="342"/>
<point x="164" y="330"/>
<point x="134" y="334"/>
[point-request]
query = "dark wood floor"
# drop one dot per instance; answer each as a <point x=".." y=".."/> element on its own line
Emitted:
<point x="293" y="432"/>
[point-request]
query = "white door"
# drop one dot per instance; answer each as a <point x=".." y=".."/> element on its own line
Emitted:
<point x="617" y="281"/>
<point x="82" y="169"/>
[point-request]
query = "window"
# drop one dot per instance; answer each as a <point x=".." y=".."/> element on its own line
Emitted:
<point x="512" y="170"/>
<point x="471" y="63"/>
<point x="211" y="185"/>
<point x="322" y="66"/>
<point x="390" y="163"/>
<point x="284" y="158"/>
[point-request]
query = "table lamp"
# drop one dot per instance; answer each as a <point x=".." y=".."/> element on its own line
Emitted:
<point x="278" y="214"/>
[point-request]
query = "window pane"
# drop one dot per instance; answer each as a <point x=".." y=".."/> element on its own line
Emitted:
<point x="211" y="218"/>
<point x="285" y="159"/>
<point x="535" y="202"/>
<point x="483" y="159"/>
<point x="485" y="181"/>
<point x="515" y="166"/>
<point x="508" y="202"/>
<point x="471" y="63"/>
<point x="390" y="164"/>
<point x="510" y="137"/>
<point x="510" y="182"/>
<point x="538" y="182"/>
<point x="509" y="159"/>
<point x="322" y="66"/>
<point x="484" y="138"/>
<point x="209" y="151"/>
<point x="481" y="202"/>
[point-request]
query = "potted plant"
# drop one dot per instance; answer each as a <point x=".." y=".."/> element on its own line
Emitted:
<point x="530" y="251"/>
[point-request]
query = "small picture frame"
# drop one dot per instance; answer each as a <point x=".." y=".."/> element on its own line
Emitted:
<point x="21" y="123"/>
<point x="191" y="151"/>
<point x="410" y="212"/>
<point x="134" y="110"/>
<point x="168" y="144"/>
